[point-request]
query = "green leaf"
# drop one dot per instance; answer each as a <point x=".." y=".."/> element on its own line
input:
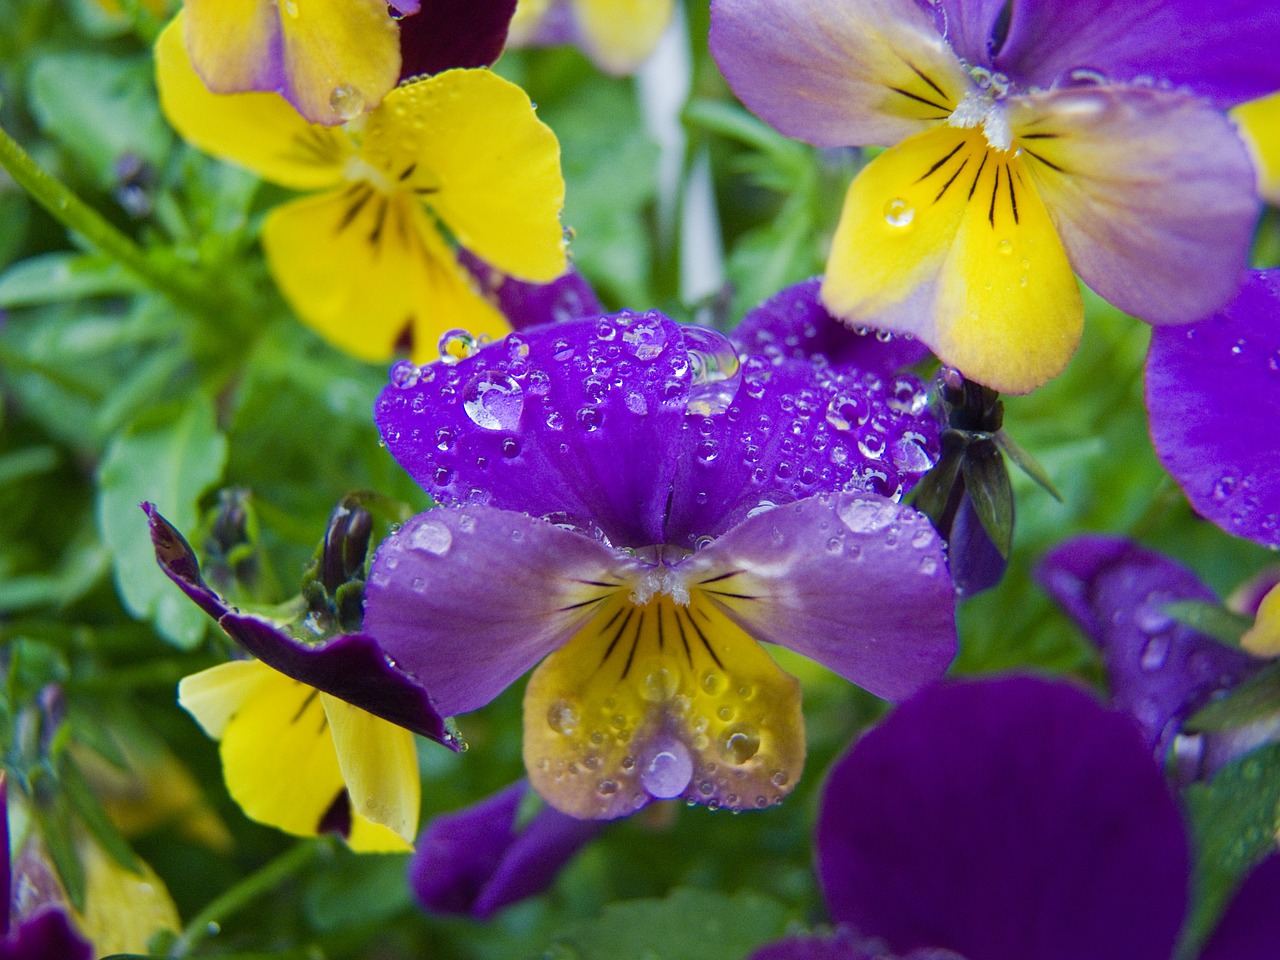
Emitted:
<point x="987" y="483"/>
<point x="57" y="832"/>
<point x="688" y="925"/>
<point x="361" y="889"/>
<point x="82" y="799"/>
<point x="1251" y="700"/>
<point x="1211" y="619"/>
<point x="53" y="277"/>
<point x="1027" y="464"/>
<point x="169" y="456"/>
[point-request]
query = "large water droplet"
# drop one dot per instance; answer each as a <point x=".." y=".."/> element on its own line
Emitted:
<point x="493" y="401"/>
<point x="433" y="537"/>
<point x="455" y="345"/>
<point x="347" y="102"/>
<point x="645" y="338"/>
<point x="867" y="516"/>
<point x="898" y="213"/>
<point x="716" y="371"/>
<point x="910" y="455"/>
<point x="562" y="717"/>
<point x="665" y="768"/>
<point x="739" y="743"/>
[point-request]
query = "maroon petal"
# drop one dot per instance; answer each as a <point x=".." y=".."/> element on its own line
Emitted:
<point x="446" y="34"/>
<point x="48" y="935"/>
<point x="1005" y="819"/>
<point x="352" y="667"/>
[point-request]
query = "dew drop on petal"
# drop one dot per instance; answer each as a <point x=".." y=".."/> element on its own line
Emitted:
<point x="562" y="717"/>
<point x="493" y="401"/>
<point x="665" y="768"/>
<point x="898" y="213"/>
<point x="403" y="374"/>
<point x="739" y="743"/>
<point x="716" y="371"/>
<point x="1005" y="247"/>
<point x="455" y="345"/>
<point x="645" y="338"/>
<point x="346" y="101"/>
<point x="433" y="537"/>
<point x="867" y="516"/>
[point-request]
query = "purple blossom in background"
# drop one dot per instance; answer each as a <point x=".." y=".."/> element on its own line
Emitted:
<point x="629" y="500"/>
<point x="1016" y="819"/>
<point x="480" y="859"/>
<point x="1213" y="394"/>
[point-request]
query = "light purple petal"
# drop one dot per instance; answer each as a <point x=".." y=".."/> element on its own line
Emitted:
<point x="467" y="599"/>
<point x="1159" y="670"/>
<point x="856" y="582"/>
<point x="1221" y="49"/>
<point x="969" y="26"/>
<point x="1152" y="193"/>
<point x="1213" y="390"/>
<point x="476" y="861"/>
<point x="1250" y="928"/>
<point x="1005" y="819"/>
<point x="837" y="74"/>
<point x="525" y="304"/>
<point x="794" y="324"/>
<point x="538" y="423"/>
<point x="48" y="935"/>
<point x="446" y="34"/>
<point x="351" y="667"/>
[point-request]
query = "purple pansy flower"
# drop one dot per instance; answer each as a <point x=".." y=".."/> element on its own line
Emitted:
<point x="1213" y="394"/>
<point x="1016" y="819"/>
<point x="1160" y="670"/>
<point x="1027" y="140"/>
<point x="478" y="860"/>
<point x="630" y="502"/>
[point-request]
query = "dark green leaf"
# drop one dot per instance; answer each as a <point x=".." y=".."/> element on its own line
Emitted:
<point x="51" y="277"/>
<point x="57" y="831"/>
<point x="81" y="797"/>
<point x="1211" y="619"/>
<point x="1252" y="700"/>
<point x="1027" y="463"/>
<point x="987" y="482"/>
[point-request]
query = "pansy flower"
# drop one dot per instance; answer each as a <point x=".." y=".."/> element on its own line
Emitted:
<point x="369" y="260"/>
<point x="1025" y="141"/>
<point x="1014" y="819"/>
<point x="314" y="738"/>
<point x="628" y="504"/>
<point x="1212" y="393"/>
<point x="618" y="35"/>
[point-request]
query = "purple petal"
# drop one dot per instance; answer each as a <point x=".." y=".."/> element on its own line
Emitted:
<point x="351" y="667"/>
<point x="1159" y="670"/>
<point x="48" y="935"/>
<point x="476" y="861"/>
<point x="842" y="945"/>
<point x="795" y="324"/>
<point x="856" y="582"/>
<point x="467" y="599"/>
<point x="1152" y="193"/>
<point x="1005" y="819"/>
<point x="837" y="74"/>
<point x="1212" y="393"/>
<point x="538" y="423"/>
<point x="1250" y="929"/>
<point x="969" y="26"/>
<point x="976" y="562"/>
<point x="525" y="305"/>
<point x="446" y="34"/>
<point x="1220" y="49"/>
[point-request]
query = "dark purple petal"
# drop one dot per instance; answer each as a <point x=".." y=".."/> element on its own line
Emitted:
<point x="351" y="667"/>
<point x="793" y="323"/>
<point x="1005" y="819"/>
<point x="1212" y="394"/>
<point x="1159" y="670"/>
<point x="580" y="421"/>
<point x="856" y="582"/>
<point x="969" y="26"/>
<point x="48" y="935"/>
<point x="840" y="945"/>
<point x="525" y="305"/>
<point x="976" y="562"/>
<point x="477" y="861"/>
<point x="467" y="599"/>
<point x="1250" y="928"/>
<point x="446" y="34"/>
<point x="1220" y="49"/>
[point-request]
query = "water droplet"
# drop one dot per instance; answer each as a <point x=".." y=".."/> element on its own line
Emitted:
<point x="1005" y="247"/>
<point x="665" y="768"/>
<point x="898" y="213"/>
<point x="1224" y="488"/>
<point x="714" y="683"/>
<point x="347" y="102"/>
<point x="739" y="743"/>
<point x="660" y="685"/>
<point x="431" y="536"/>
<point x="1088" y="76"/>
<point x="1155" y="653"/>
<point x="562" y="717"/>
<point x="779" y="778"/>
<point x="590" y="418"/>
<point x="290" y="7"/>
<point x="403" y="374"/>
<point x="607" y="788"/>
<point x="910" y="456"/>
<point x="867" y="516"/>
<point x="928" y="566"/>
<point x="908" y="396"/>
<point x="645" y="337"/>
<point x="493" y="401"/>
<point x="1152" y="618"/>
<point x="871" y="446"/>
<point x="716" y="371"/>
<point x="455" y="345"/>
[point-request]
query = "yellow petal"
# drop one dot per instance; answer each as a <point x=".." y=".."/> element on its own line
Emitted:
<point x="233" y="43"/>
<point x="379" y="763"/>
<point x="367" y="269"/>
<point x="947" y="239"/>
<point x="213" y="696"/>
<point x="123" y="909"/>
<point x="470" y="142"/>
<point x="661" y="701"/>
<point x="620" y="35"/>
<point x="1263" y="638"/>
<point x="1259" y="122"/>
<point x="259" y="131"/>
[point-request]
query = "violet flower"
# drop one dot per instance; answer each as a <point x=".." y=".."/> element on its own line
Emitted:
<point x="481" y="859"/>
<point x="629" y="502"/>
<point x="1026" y="140"/>
<point x="1016" y="819"/>
<point x="1213" y="390"/>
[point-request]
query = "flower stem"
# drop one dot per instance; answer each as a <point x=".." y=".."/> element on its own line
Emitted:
<point x="77" y="216"/>
<point x="209" y="920"/>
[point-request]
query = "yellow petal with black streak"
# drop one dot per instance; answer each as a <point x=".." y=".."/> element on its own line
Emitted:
<point x="379" y="764"/>
<point x="469" y="143"/>
<point x="260" y="131"/>
<point x="659" y="701"/>
<point x="621" y="34"/>
<point x="370" y="272"/>
<point x="946" y="238"/>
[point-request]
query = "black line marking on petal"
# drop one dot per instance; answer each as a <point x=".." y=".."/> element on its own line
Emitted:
<point x="1013" y="197"/>
<point x="361" y="198"/>
<point x="934" y="169"/>
<point x="425" y="190"/>
<point x="1048" y="163"/>
<point x="324" y="722"/>
<point x="723" y="576"/>
<point x="925" y="77"/>
<point x="963" y="163"/>
<point x="375" y="235"/>
<point x="596" y="583"/>
<point x="661" y="638"/>
<point x="311" y="698"/>
<point x="408" y="172"/>
<point x="991" y="210"/>
<point x="974" y="186"/>
<point x="684" y="639"/>
<point x="734" y="596"/>
<point x="705" y="642"/>
<point x="1039" y="136"/>
<point x="617" y="636"/>
<point x="584" y="603"/>
<point x="612" y="620"/>
<point x="635" y="642"/>
<point x="926" y="101"/>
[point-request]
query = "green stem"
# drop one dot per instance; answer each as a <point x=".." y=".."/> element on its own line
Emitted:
<point x="209" y="920"/>
<point x="76" y="215"/>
